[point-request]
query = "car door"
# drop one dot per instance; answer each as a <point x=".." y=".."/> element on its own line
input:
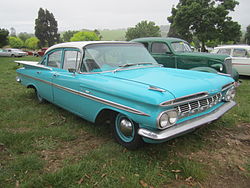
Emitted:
<point x="162" y="54"/>
<point x="45" y="77"/>
<point x="241" y="61"/>
<point x="66" y="81"/>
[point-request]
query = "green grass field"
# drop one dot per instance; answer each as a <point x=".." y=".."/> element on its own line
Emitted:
<point x="42" y="145"/>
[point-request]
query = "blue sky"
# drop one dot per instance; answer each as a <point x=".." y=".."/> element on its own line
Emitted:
<point x="97" y="14"/>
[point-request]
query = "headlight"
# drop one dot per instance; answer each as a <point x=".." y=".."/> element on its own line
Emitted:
<point x="167" y="119"/>
<point x="18" y="79"/>
<point x="230" y="94"/>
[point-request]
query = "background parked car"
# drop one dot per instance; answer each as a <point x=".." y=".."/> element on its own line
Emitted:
<point x="40" y="52"/>
<point x="29" y="52"/>
<point x="240" y="55"/>
<point x="4" y="52"/>
<point x="177" y="53"/>
<point x="12" y="53"/>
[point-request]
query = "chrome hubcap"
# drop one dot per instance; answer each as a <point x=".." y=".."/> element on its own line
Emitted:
<point x="126" y="127"/>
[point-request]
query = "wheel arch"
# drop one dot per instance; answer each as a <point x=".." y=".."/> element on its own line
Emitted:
<point x="105" y="116"/>
<point x="31" y="86"/>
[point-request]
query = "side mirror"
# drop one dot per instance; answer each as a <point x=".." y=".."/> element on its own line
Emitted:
<point x="72" y="70"/>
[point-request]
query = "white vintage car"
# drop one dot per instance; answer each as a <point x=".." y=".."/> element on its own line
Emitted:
<point x="12" y="53"/>
<point x="240" y="57"/>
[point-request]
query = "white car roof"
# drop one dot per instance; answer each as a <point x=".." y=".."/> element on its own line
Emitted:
<point x="234" y="46"/>
<point x="81" y="44"/>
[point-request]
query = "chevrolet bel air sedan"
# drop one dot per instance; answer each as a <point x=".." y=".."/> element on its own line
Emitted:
<point x="121" y="83"/>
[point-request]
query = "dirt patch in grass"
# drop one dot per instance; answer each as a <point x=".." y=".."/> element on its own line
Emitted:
<point x="225" y="157"/>
<point x="71" y="151"/>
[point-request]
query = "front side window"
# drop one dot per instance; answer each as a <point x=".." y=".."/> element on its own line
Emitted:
<point x="239" y="52"/>
<point x="55" y="58"/>
<point x="107" y="57"/>
<point x="181" y="47"/>
<point x="71" y="59"/>
<point x="160" y="48"/>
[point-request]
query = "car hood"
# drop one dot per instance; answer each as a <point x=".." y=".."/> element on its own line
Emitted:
<point x="204" y="55"/>
<point x="176" y="81"/>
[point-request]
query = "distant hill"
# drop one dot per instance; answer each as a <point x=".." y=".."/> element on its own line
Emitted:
<point x="119" y="34"/>
<point x="116" y="34"/>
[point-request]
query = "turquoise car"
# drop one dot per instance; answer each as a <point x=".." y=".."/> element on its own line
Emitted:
<point x="121" y="83"/>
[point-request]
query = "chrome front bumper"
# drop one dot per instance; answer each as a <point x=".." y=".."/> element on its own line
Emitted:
<point x="186" y="126"/>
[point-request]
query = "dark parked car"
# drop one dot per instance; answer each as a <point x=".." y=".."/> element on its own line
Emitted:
<point x="177" y="53"/>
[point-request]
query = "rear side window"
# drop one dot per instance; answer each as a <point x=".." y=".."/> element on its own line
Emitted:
<point x="160" y="48"/>
<point x="226" y="51"/>
<point x="239" y="52"/>
<point x="54" y="59"/>
<point x="71" y="59"/>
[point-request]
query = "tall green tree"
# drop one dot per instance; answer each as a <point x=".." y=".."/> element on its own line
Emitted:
<point x="247" y="35"/>
<point x="3" y="37"/>
<point x="46" y="28"/>
<point x="143" y="29"/>
<point x="85" y="36"/>
<point x="206" y="19"/>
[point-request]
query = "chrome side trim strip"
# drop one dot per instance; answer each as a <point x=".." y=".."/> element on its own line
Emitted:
<point x="186" y="126"/>
<point x="98" y="99"/>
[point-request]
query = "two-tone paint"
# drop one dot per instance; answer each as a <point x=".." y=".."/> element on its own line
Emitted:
<point x="142" y="94"/>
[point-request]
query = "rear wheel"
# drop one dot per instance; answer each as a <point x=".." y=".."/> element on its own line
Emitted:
<point x="126" y="132"/>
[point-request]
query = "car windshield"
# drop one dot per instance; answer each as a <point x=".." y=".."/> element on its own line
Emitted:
<point x="181" y="47"/>
<point x="114" y="57"/>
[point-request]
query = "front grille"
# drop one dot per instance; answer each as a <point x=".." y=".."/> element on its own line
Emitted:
<point x="228" y="64"/>
<point x="193" y="107"/>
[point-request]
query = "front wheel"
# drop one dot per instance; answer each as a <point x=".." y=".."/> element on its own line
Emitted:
<point x="39" y="98"/>
<point x="126" y="132"/>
